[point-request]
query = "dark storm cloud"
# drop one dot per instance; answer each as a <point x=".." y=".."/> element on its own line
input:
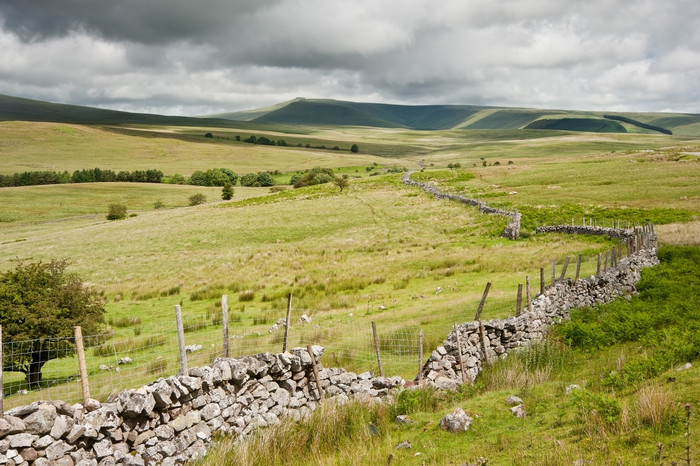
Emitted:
<point x="192" y="57"/>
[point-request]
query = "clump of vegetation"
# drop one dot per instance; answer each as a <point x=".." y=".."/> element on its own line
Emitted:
<point x="247" y="295"/>
<point x="257" y="179"/>
<point x="227" y="192"/>
<point x="40" y="304"/>
<point x="214" y="177"/>
<point x="316" y="175"/>
<point x="116" y="211"/>
<point x="197" y="199"/>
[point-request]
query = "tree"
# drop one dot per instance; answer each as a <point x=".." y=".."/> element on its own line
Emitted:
<point x="40" y="303"/>
<point x="227" y="192"/>
<point x="354" y="149"/>
<point x="342" y="182"/>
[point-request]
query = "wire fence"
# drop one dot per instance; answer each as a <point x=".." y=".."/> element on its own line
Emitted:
<point x="132" y="356"/>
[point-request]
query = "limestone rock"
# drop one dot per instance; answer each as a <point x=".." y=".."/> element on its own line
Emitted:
<point x="457" y="421"/>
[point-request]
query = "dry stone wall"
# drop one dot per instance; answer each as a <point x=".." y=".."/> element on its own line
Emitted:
<point x="171" y="420"/>
<point x="512" y="229"/>
<point x="554" y="305"/>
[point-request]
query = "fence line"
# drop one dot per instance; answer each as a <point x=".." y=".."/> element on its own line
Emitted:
<point x="134" y="356"/>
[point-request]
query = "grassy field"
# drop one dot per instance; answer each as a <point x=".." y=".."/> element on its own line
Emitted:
<point x="377" y="252"/>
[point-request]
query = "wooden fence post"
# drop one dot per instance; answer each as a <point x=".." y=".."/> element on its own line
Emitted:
<point x="597" y="270"/>
<point x="578" y="268"/>
<point x="528" y="293"/>
<point x="2" y="389"/>
<point x="519" y="300"/>
<point x="482" y="337"/>
<point x="483" y="300"/>
<point x="224" y="322"/>
<point x="181" y="340"/>
<point x="613" y="258"/>
<point x="286" y="323"/>
<point x="541" y="280"/>
<point x="315" y="369"/>
<point x="554" y="271"/>
<point x="80" y="350"/>
<point x="376" y="349"/>
<point x="563" y="269"/>
<point x="459" y="353"/>
<point x="420" y="356"/>
<point x="605" y="262"/>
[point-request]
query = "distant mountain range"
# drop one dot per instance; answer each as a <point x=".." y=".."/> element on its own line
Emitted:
<point x="341" y="113"/>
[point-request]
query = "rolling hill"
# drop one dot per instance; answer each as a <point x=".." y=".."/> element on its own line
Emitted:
<point x="327" y="112"/>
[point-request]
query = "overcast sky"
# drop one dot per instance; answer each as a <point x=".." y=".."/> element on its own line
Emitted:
<point x="187" y="57"/>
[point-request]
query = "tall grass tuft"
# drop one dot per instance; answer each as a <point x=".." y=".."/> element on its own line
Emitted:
<point x="656" y="408"/>
<point x="330" y="430"/>
<point x="532" y="365"/>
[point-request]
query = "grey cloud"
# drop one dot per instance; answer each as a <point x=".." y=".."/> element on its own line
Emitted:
<point x="222" y="55"/>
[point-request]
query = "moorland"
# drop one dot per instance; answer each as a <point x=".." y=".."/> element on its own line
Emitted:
<point x="377" y="251"/>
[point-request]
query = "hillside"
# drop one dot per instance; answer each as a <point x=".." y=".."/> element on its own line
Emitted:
<point x="444" y="117"/>
<point x="21" y="109"/>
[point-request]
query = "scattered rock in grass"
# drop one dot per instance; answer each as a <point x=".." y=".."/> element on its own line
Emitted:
<point x="405" y="445"/>
<point x="403" y="419"/>
<point x="513" y="400"/>
<point x="304" y="319"/>
<point x="124" y="360"/>
<point x="685" y="367"/>
<point x="518" y="411"/>
<point x="192" y="348"/>
<point x="456" y="422"/>
<point x="105" y="368"/>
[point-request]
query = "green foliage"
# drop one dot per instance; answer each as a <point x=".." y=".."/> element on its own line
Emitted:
<point x="341" y="182"/>
<point x="257" y="179"/>
<point x="93" y="175"/>
<point x="213" y="177"/>
<point x="227" y="192"/>
<point x="316" y="175"/>
<point x="589" y="403"/>
<point x="418" y="399"/>
<point x="354" y="149"/>
<point x="40" y="303"/>
<point x="664" y="318"/>
<point x="197" y="199"/>
<point x="117" y="211"/>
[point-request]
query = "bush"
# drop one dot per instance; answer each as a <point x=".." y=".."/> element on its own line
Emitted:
<point x="116" y="212"/>
<point x="354" y="149"/>
<point x="227" y="192"/>
<point x="197" y="199"/>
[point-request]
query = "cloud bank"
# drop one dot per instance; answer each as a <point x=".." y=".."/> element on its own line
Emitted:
<point x="189" y="58"/>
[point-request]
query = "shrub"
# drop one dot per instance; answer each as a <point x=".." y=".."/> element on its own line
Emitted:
<point x="158" y="205"/>
<point x="116" y="212"/>
<point x="247" y="295"/>
<point x="227" y="192"/>
<point x="354" y="149"/>
<point x="197" y="199"/>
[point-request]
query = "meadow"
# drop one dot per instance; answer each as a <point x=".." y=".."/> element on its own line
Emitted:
<point x="378" y="251"/>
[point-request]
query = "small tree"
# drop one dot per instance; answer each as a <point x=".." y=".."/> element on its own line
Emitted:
<point x="197" y="199"/>
<point x="354" y="149"/>
<point x="227" y="192"/>
<point x="40" y="303"/>
<point x="341" y="182"/>
<point x="116" y="212"/>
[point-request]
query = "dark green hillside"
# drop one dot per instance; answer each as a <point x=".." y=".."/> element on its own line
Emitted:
<point x="508" y="119"/>
<point x="20" y="109"/>
<point x="591" y="125"/>
<point x="320" y="112"/>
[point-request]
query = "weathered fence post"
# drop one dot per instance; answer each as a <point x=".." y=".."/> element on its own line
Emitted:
<point x="482" y="338"/>
<point x="519" y="300"/>
<point x="286" y="323"/>
<point x="376" y="349"/>
<point x="541" y="280"/>
<point x="578" y="268"/>
<point x="315" y="369"/>
<point x="613" y="258"/>
<point x="563" y="269"/>
<point x="420" y="356"/>
<point x="597" y="270"/>
<point x="224" y="322"/>
<point x="181" y="340"/>
<point x="483" y="300"/>
<point x="554" y="271"/>
<point x="80" y="350"/>
<point x="528" y="293"/>
<point x="605" y="262"/>
<point x="459" y="353"/>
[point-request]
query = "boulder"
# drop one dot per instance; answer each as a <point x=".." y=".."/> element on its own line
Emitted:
<point x="457" y="421"/>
